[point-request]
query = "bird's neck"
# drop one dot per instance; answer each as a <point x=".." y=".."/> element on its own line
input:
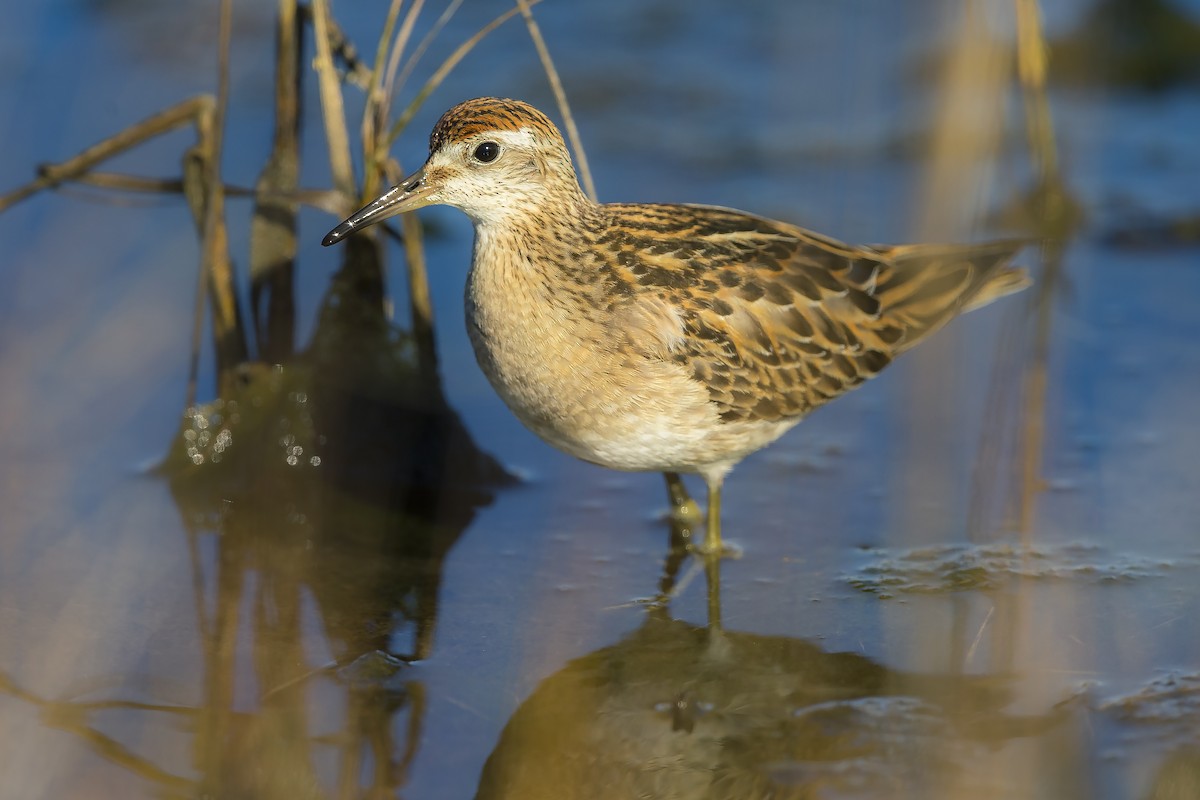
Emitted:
<point x="528" y="267"/>
<point x="539" y="243"/>
<point x="528" y="314"/>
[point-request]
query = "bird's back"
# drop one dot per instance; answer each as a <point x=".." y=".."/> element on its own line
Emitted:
<point x="775" y="320"/>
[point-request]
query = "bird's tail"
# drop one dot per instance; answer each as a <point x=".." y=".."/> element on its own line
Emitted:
<point x="928" y="285"/>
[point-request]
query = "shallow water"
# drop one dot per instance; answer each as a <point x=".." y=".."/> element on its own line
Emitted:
<point x="227" y="602"/>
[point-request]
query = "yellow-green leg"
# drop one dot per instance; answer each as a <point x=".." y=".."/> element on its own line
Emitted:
<point x="712" y="536"/>
<point x="712" y="574"/>
<point x="714" y="545"/>
<point x="713" y="550"/>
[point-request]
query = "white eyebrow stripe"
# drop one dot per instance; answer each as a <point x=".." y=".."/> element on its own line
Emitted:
<point x="524" y="136"/>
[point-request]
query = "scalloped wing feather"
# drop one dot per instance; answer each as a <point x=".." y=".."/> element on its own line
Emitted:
<point x="775" y="320"/>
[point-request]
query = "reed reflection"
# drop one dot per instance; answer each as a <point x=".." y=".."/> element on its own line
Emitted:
<point x="320" y="500"/>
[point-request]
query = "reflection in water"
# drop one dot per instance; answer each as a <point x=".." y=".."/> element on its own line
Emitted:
<point x="315" y="581"/>
<point x="676" y="710"/>
<point x="333" y="486"/>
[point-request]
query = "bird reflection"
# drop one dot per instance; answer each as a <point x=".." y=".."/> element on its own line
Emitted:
<point x="677" y="710"/>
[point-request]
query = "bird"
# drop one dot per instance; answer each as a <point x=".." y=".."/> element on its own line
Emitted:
<point x="670" y="338"/>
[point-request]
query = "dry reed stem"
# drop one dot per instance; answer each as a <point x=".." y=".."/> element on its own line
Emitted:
<point x="1053" y="216"/>
<point x="401" y="44"/>
<point x="228" y="334"/>
<point x="273" y="244"/>
<point x="332" y="108"/>
<point x="1032" y="68"/>
<point x="989" y="503"/>
<point x="1037" y="382"/>
<point x="418" y="294"/>
<point x="421" y="305"/>
<point x="375" y="109"/>
<point x="193" y="190"/>
<point x="419" y="300"/>
<point x="341" y="48"/>
<point x="1014" y="641"/>
<point x="136" y="184"/>
<point x="965" y="139"/>
<point x="74" y="169"/>
<point x="560" y="97"/>
<point x="321" y="199"/>
<point x="220" y="667"/>
<point x="966" y="135"/>
<point x="423" y="45"/>
<point x="443" y="70"/>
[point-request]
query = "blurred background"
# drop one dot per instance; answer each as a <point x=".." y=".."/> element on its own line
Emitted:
<point x="317" y="557"/>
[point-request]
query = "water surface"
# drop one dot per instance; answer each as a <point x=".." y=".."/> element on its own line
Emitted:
<point x="227" y="601"/>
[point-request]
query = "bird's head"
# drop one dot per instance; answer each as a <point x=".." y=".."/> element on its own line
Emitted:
<point x="494" y="159"/>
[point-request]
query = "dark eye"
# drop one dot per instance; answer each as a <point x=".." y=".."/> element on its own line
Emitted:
<point x="487" y="152"/>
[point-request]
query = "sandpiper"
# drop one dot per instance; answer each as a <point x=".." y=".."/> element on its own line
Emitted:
<point x="671" y="338"/>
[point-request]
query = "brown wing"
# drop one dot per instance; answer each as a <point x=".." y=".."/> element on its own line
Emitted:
<point x="776" y="320"/>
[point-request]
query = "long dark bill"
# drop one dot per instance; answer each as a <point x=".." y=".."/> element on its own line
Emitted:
<point x="407" y="195"/>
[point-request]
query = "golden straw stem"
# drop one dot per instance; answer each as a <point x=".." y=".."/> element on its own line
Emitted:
<point x="560" y="97"/>
<point x="376" y="105"/>
<point x="331" y="105"/>
<point x="229" y="337"/>
<point x="442" y="71"/>
<point x="423" y="45"/>
<point x="1031" y="68"/>
<point x="418" y="294"/>
<point x="73" y="169"/>
<point x="389" y="81"/>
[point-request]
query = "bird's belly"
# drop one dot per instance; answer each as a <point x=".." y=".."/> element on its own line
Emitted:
<point x="621" y="411"/>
